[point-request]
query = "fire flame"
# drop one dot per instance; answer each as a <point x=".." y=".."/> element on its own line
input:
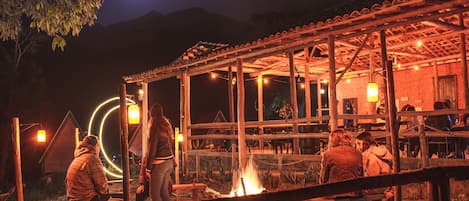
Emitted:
<point x="251" y="181"/>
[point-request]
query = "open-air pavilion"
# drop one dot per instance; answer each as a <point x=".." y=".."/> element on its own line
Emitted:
<point x="415" y="50"/>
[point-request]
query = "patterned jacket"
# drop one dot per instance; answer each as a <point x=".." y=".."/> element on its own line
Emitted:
<point x="85" y="176"/>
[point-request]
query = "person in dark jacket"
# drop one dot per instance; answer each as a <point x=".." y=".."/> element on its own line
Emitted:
<point x="85" y="180"/>
<point x="341" y="162"/>
<point x="159" y="161"/>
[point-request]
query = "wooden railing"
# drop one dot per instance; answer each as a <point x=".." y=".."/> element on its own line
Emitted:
<point x="437" y="176"/>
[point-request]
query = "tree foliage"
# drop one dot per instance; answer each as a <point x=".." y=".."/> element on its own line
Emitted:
<point x="56" y="18"/>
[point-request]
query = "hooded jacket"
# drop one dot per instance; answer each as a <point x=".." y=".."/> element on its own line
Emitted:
<point x="85" y="175"/>
<point x="377" y="160"/>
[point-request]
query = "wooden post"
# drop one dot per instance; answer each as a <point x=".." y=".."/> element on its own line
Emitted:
<point x="242" y="150"/>
<point x="307" y="87"/>
<point x="424" y="155"/>
<point x="77" y="137"/>
<point x="232" y="117"/>
<point x="197" y="166"/>
<point x="436" y="93"/>
<point x="182" y="122"/>
<point x="332" y="85"/>
<point x="187" y="122"/>
<point x="124" y="137"/>
<point x="145" y="129"/>
<point x="392" y="113"/>
<point x="294" y="101"/>
<point x="176" y="154"/>
<point x="372" y="105"/>
<point x="260" y="108"/>
<point x="319" y="100"/>
<point x="464" y="63"/>
<point x="15" y="136"/>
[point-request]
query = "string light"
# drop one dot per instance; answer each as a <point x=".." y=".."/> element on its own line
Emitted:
<point x="302" y="85"/>
<point x="419" y="43"/>
<point x="348" y="80"/>
<point x="266" y="81"/>
<point x="322" y="91"/>
<point x="213" y="75"/>
<point x="416" y="67"/>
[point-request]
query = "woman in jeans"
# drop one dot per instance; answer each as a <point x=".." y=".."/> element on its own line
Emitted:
<point x="159" y="159"/>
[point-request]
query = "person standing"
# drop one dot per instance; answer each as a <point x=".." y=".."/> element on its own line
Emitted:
<point x="377" y="160"/>
<point x="86" y="180"/>
<point x="341" y="162"/>
<point x="159" y="161"/>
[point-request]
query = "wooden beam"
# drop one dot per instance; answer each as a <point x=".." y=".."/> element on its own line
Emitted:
<point x="307" y="86"/>
<point x="436" y="88"/>
<point x="145" y="134"/>
<point x="242" y="148"/>
<point x="232" y="117"/>
<point x="319" y="95"/>
<point x="124" y="140"/>
<point x="294" y="101"/>
<point x="187" y="121"/>
<point x="332" y="84"/>
<point x="438" y="23"/>
<point x="464" y="63"/>
<point x="260" y="107"/>
<point x="353" y="58"/>
<point x="392" y="114"/>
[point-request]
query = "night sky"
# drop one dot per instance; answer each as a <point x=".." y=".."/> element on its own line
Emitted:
<point x="114" y="11"/>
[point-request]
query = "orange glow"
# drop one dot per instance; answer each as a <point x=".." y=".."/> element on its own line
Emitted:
<point x="41" y="136"/>
<point x="372" y="92"/>
<point x="233" y="81"/>
<point x="348" y="81"/>
<point x="250" y="179"/>
<point x="266" y="81"/>
<point x="259" y="80"/>
<point x="324" y="81"/>
<point x="419" y="43"/>
<point x="416" y="67"/>
<point x="213" y="75"/>
<point x="398" y="66"/>
<point x="134" y="114"/>
<point x="302" y="85"/>
<point x="322" y="91"/>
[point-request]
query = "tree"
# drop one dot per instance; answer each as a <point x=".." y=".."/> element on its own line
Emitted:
<point x="23" y="24"/>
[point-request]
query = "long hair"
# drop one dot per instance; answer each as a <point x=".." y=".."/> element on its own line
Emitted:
<point x="340" y="137"/>
<point x="158" y="121"/>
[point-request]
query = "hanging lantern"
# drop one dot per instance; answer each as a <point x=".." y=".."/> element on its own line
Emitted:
<point x="372" y="92"/>
<point x="41" y="135"/>
<point x="134" y="114"/>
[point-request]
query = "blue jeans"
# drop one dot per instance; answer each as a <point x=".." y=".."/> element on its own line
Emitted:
<point x="159" y="181"/>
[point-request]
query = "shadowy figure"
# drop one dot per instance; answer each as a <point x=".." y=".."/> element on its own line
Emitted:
<point x="441" y="122"/>
<point x="86" y="180"/>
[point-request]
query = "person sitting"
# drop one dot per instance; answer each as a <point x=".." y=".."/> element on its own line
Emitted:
<point x="341" y="162"/>
<point x="440" y="122"/>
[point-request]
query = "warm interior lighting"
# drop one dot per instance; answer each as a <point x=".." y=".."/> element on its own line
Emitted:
<point x="419" y="43"/>
<point x="398" y="66"/>
<point x="233" y="81"/>
<point x="180" y="137"/>
<point x="140" y="92"/>
<point x="213" y="75"/>
<point x="302" y="85"/>
<point x="266" y="81"/>
<point x="416" y="67"/>
<point x="134" y="114"/>
<point x="41" y="135"/>
<point x="348" y="81"/>
<point x="372" y="92"/>
<point x="322" y="91"/>
<point x="324" y="81"/>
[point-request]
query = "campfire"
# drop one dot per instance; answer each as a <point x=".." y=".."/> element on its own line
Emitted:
<point x="246" y="182"/>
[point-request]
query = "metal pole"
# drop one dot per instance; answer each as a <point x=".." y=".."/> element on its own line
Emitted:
<point x="17" y="157"/>
<point x="124" y="137"/>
